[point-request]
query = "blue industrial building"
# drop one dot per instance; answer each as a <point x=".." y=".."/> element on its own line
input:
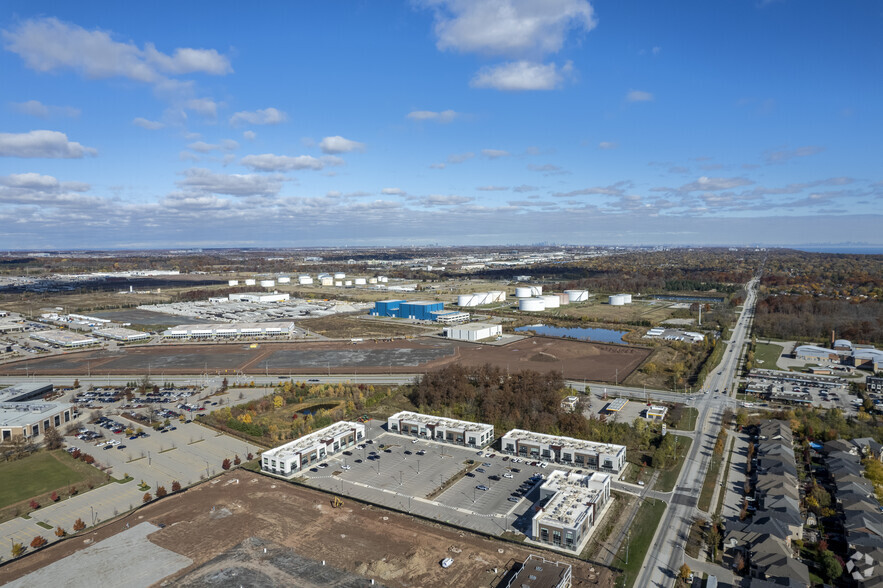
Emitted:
<point x="420" y="310"/>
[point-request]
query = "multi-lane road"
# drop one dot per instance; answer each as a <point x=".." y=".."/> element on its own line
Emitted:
<point x="666" y="554"/>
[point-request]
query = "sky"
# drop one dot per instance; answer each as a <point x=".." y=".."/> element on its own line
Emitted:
<point x="453" y="122"/>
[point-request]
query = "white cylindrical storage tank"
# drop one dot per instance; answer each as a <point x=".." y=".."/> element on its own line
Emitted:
<point x="339" y="276"/>
<point x="531" y="304"/>
<point x="267" y="283"/>
<point x="361" y="281"/>
<point x="563" y="299"/>
<point x="523" y="292"/>
<point x="372" y="280"/>
<point x="464" y="300"/>
<point x="551" y="300"/>
<point x="284" y="280"/>
<point x="577" y="295"/>
<point x="250" y="282"/>
<point x="536" y="290"/>
<point x="233" y="283"/>
<point x="627" y="298"/>
<point x="616" y="300"/>
<point x="497" y="296"/>
<point x="382" y="279"/>
<point x="338" y="283"/>
<point x="348" y="283"/>
<point x="326" y="281"/>
<point x="305" y="280"/>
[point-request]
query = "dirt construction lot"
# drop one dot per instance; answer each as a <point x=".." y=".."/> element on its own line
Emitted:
<point x="212" y="519"/>
<point x="573" y="359"/>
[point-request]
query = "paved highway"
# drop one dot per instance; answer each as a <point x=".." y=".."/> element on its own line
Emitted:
<point x="666" y="554"/>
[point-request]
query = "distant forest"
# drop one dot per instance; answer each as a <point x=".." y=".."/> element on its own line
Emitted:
<point x="812" y="319"/>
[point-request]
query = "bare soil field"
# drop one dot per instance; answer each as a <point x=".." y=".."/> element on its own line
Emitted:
<point x="347" y="327"/>
<point x="574" y="359"/>
<point x="223" y="524"/>
<point x="654" y="311"/>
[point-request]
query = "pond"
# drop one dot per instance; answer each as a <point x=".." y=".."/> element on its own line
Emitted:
<point x="581" y="333"/>
<point x="317" y="407"/>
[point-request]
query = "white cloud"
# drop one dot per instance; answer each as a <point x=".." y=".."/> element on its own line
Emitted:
<point x="270" y="162"/>
<point x="548" y="167"/>
<point x="204" y="181"/>
<point x="607" y="145"/>
<point x="656" y="50"/>
<point x="187" y="156"/>
<point x="524" y="188"/>
<point x="32" y="188"/>
<point x="250" y="135"/>
<point x="266" y="116"/>
<point x="203" y="147"/>
<point x="492" y="188"/>
<point x="494" y="153"/>
<point x="439" y="200"/>
<point x="48" y="44"/>
<point x="438" y="166"/>
<point x="444" y="117"/>
<point x="393" y="192"/>
<point x="711" y="184"/>
<point x="49" y="144"/>
<point x="638" y="96"/>
<point x="40" y="110"/>
<point x="150" y="125"/>
<point x="784" y="155"/>
<point x="338" y="144"/>
<point x="520" y="76"/>
<point x="509" y="27"/>
<point x="204" y="106"/>
<point x="460" y="157"/>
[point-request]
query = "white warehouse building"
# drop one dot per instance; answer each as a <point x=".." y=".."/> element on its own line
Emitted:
<point x="301" y="453"/>
<point x="605" y="457"/>
<point x="473" y="332"/>
<point x="231" y="330"/>
<point x="258" y="297"/>
<point x="441" y="429"/>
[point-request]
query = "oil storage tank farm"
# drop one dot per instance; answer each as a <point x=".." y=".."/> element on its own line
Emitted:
<point x="532" y="304"/>
<point x="577" y="295"/>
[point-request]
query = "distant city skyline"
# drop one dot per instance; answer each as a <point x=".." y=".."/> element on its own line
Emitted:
<point x="457" y="122"/>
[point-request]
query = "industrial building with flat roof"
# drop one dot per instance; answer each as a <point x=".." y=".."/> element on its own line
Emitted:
<point x="313" y="448"/>
<point x="232" y="330"/>
<point x="473" y="332"/>
<point x="64" y="338"/>
<point x="422" y="310"/>
<point x="23" y="414"/>
<point x="570" y="507"/>
<point x="121" y="334"/>
<point x="258" y="297"/>
<point x="539" y="572"/>
<point x="605" y="457"/>
<point x="441" y="429"/>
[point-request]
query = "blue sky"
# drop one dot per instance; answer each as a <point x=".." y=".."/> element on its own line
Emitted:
<point x="440" y="121"/>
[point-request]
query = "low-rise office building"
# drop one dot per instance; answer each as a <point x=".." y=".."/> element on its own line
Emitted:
<point x="570" y="507"/>
<point x="605" y="457"/>
<point x="122" y="334"/>
<point x="538" y="572"/>
<point x="231" y="330"/>
<point x="313" y="448"/>
<point x="64" y="338"/>
<point x="441" y="429"/>
<point x="24" y="414"/>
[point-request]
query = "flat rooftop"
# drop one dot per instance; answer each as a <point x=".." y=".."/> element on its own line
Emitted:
<point x="537" y="572"/>
<point x="471" y="326"/>
<point x="17" y="414"/>
<point x="309" y="441"/>
<point x="573" y="495"/>
<point x="416" y="417"/>
<point x="23" y="390"/>
<point x="617" y="405"/>
<point x="578" y="444"/>
<point x="63" y="337"/>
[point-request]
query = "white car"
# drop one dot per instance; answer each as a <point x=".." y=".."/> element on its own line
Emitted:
<point x="415" y="441"/>
<point x="507" y="475"/>
<point x="346" y="467"/>
<point x="446" y="562"/>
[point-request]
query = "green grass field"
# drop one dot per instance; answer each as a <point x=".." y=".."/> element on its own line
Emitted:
<point x="667" y="478"/>
<point x="767" y="354"/>
<point x="643" y="529"/>
<point x="40" y="473"/>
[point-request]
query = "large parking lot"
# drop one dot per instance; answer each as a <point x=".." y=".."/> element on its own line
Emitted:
<point x="488" y="492"/>
<point x="184" y="452"/>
